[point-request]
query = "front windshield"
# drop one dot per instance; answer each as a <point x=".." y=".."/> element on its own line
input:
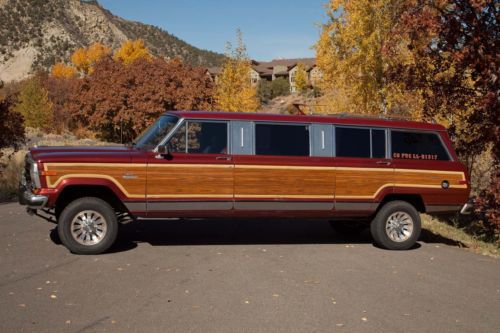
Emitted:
<point x="151" y="137"/>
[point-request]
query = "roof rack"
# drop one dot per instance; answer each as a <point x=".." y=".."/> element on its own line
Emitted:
<point x="301" y="110"/>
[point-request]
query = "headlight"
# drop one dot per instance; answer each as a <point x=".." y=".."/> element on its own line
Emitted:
<point x="35" y="175"/>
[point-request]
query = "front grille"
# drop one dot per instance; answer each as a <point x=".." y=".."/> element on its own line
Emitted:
<point x="27" y="173"/>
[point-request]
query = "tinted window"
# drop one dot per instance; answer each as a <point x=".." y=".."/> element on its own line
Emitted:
<point x="417" y="146"/>
<point x="202" y="138"/>
<point x="352" y="142"/>
<point x="378" y="143"/>
<point x="289" y="140"/>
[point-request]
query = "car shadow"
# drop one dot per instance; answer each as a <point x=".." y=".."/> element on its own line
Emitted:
<point x="241" y="232"/>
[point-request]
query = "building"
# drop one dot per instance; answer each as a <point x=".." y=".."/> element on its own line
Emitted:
<point x="284" y="68"/>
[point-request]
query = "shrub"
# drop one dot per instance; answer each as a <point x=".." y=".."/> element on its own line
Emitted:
<point x="11" y="125"/>
<point x="264" y="91"/>
<point x="487" y="210"/>
<point x="11" y="166"/>
<point x="280" y="87"/>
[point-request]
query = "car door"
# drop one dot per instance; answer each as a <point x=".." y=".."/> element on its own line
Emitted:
<point x="195" y="177"/>
<point x="364" y="172"/>
<point x="276" y="174"/>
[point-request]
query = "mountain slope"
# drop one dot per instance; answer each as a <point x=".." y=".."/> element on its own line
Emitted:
<point x="38" y="33"/>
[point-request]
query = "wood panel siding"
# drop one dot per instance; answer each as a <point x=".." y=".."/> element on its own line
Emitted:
<point x="281" y="182"/>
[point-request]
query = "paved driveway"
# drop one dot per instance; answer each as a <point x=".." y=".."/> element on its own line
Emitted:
<point x="239" y="276"/>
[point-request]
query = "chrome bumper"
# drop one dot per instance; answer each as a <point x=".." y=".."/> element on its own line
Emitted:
<point x="31" y="200"/>
<point x="466" y="209"/>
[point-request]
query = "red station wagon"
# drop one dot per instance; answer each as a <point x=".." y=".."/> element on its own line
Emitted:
<point x="353" y="171"/>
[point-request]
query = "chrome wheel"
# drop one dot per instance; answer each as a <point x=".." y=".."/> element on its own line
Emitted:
<point x="88" y="227"/>
<point x="399" y="226"/>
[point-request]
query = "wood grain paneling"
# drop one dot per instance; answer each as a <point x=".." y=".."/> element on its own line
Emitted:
<point x="283" y="182"/>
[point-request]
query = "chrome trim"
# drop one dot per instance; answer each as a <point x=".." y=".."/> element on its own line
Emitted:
<point x="34" y="201"/>
<point x="354" y="206"/>
<point x="169" y="135"/>
<point x="284" y="205"/>
<point x="442" y="208"/>
<point x="466" y="209"/>
<point x="190" y="205"/>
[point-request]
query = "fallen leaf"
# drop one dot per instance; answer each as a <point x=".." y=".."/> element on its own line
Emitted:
<point x="276" y="295"/>
<point x="364" y="319"/>
<point x="53" y="296"/>
<point x="67" y="322"/>
<point x="22" y="305"/>
<point x="339" y="325"/>
<point x="247" y="302"/>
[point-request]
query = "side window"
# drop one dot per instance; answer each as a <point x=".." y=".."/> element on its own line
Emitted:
<point x="285" y="140"/>
<point x="352" y="142"/>
<point x="417" y="146"/>
<point x="202" y="138"/>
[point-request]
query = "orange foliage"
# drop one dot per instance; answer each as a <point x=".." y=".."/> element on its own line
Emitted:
<point x="84" y="59"/>
<point x="61" y="70"/>
<point x="131" y="50"/>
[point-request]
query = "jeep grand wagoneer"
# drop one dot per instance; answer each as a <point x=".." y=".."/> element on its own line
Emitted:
<point x="212" y="164"/>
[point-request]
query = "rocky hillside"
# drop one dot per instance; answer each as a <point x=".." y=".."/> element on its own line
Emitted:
<point x="37" y="33"/>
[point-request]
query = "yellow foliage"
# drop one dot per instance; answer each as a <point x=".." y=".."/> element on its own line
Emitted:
<point x="34" y="104"/>
<point x="301" y="78"/>
<point x="131" y="50"/>
<point x="84" y="59"/>
<point x="349" y="53"/>
<point x="234" y="91"/>
<point x="63" y="71"/>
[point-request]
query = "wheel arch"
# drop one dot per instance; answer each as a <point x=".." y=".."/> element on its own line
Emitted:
<point x="414" y="199"/>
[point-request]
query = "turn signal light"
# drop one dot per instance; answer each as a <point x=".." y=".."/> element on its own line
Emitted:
<point x="49" y="173"/>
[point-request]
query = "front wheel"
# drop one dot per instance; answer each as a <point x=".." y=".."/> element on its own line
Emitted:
<point x="396" y="226"/>
<point x="88" y="226"/>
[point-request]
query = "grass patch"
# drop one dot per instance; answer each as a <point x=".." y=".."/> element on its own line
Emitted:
<point x="458" y="237"/>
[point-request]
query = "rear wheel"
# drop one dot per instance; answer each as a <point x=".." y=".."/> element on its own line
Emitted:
<point x="88" y="226"/>
<point x="396" y="226"/>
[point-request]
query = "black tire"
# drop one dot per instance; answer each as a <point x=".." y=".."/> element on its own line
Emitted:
<point x="348" y="228"/>
<point x="105" y="218"/>
<point x="381" y="228"/>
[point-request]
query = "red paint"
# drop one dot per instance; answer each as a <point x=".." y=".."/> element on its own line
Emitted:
<point x="120" y="154"/>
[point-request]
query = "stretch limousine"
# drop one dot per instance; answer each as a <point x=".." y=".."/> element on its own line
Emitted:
<point x="353" y="171"/>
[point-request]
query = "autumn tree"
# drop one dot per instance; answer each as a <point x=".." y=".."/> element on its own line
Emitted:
<point x="34" y="104"/>
<point x="60" y="90"/>
<point x="119" y="101"/>
<point x="454" y="64"/>
<point x="234" y="91"/>
<point x="62" y="70"/>
<point x="11" y="124"/>
<point x="349" y="54"/>
<point x="84" y="59"/>
<point x="132" y="50"/>
<point x="301" y="83"/>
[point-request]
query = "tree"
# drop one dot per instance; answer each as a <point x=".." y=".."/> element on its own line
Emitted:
<point x="453" y="63"/>
<point x="34" y="104"/>
<point x="301" y="83"/>
<point x="132" y="50"/>
<point x="264" y="91"/>
<point x="349" y="53"/>
<point x="60" y="91"/>
<point x="63" y="71"/>
<point x="234" y="91"/>
<point x="84" y="59"/>
<point x="11" y="124"/>
<point x="119" y="101"/>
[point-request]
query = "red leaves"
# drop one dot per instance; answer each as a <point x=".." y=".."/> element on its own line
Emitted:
<point x="120" y="101"/>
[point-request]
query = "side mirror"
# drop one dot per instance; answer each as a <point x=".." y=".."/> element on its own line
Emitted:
<point x="163" y="150"/>
<point x="163" y="153"/>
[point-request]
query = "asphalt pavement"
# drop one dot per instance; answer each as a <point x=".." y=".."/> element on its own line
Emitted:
<point x="240" y="276"/>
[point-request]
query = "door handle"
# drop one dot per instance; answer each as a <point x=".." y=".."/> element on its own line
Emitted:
<point x="383" y="163"/>
<point x="223" y="158"/>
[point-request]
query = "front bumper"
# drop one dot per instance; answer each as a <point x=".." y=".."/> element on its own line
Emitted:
<point x="27" y="198"/>
<point x="466" y="209"/>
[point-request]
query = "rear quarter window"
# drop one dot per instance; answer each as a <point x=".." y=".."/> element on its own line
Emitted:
<point x="409" y="145"/>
